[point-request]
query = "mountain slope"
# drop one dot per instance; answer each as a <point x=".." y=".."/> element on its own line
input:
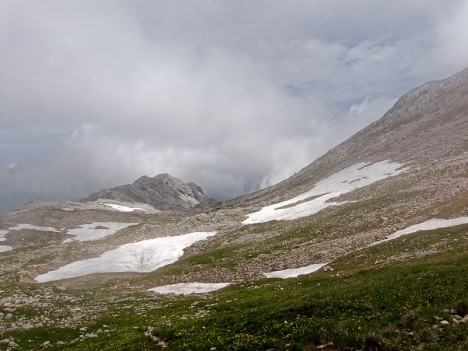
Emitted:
<point x="426" y="132"/>
<point x="406" y="168"/>
<point x="378" y="225"/>
<point x="163" y="192"/>
<point x="426" y="128"/>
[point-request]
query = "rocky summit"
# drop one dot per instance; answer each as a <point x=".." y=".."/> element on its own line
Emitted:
<point x="364" y="249"/>
<point x="164" y="192"/>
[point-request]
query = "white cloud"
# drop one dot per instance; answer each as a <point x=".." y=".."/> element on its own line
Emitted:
<point x="362" y="113"/>
<point x="452" y="39"/>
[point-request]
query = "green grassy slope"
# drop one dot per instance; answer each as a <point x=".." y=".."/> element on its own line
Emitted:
<point x="369" y="302"/>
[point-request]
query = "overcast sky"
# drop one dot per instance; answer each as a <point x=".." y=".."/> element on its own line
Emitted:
<point x="233" y="95"/>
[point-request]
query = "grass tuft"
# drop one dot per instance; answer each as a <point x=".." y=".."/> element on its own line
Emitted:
<point x="374" y="342"/>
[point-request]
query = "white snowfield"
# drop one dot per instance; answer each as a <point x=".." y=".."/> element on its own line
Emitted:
<point x="431" y="224"/>
<point x="142" y="256"/>
<point x="5" y="248"/>
<point x="96" y="231"/>
<point x="85" y="232"/>
<point x="345" y="181"/>
<point x="122" y="208"/>
<point x="295" y="272"/>
<point x="34" y="227"/>
<point x="2" y="234"/>
<point x="188" y="288"/>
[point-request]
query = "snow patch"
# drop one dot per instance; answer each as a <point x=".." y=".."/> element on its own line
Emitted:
<point x="295" y="272"/>
<point x="357" y="176"/>
<point x="2" y="234"/>
<point x="142" y="256"/>
<point x="431" y="224"/>
<point x="122" y="208"/>
<point x="5" y="248"/>
<point x="188" y="288"/>
<point x="34" y="227"/>
<point x="96" y="231"/>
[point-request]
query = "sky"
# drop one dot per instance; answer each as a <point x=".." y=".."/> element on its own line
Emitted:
<point x="234" y="95"/>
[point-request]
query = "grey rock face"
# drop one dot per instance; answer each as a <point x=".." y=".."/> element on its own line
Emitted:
<point x="164" y="192"/>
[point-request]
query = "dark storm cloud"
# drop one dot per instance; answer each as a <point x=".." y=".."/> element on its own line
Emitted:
<point x="233" y="95"/>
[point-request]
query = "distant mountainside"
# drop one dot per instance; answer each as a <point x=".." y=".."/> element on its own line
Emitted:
<point x="377" y="228"/>
<point x="164" y="192"/>
<point x="427" y="129"/>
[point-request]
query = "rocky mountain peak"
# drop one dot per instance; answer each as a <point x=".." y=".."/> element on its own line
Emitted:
<point x="164" y="192"/>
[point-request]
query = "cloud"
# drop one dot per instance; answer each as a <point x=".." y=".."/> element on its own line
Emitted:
<point x="451" y="39"/>
<point x="232" y="95"/>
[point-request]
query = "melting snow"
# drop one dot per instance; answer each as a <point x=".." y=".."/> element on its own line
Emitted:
<point x="2" y="234"/>
<point x="295" y="272"/>
<point x="34" y="227"/>
<point x="122" y="208"/>
<point x="96" y="231"/>
<point x="428" y="225"/>
<point x="4" y="248"/>
<point x="142" y="256"/>
<point x="189" y="288"/>
<point x="345" y="181"/>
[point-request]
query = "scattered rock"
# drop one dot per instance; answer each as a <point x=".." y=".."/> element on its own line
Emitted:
<point x="444" y="324"/>
<point x="12" y="345"/>
<point x="45" y="345"/>
<point x="327" y="269"/>
<point x="161" y="343"/>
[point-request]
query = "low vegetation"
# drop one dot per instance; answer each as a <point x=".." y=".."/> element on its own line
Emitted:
<point x="361" y="305"/>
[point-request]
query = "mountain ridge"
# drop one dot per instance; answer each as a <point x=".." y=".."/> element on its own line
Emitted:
<point x="415" y="130"/>
<point x="163" y="191"/>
